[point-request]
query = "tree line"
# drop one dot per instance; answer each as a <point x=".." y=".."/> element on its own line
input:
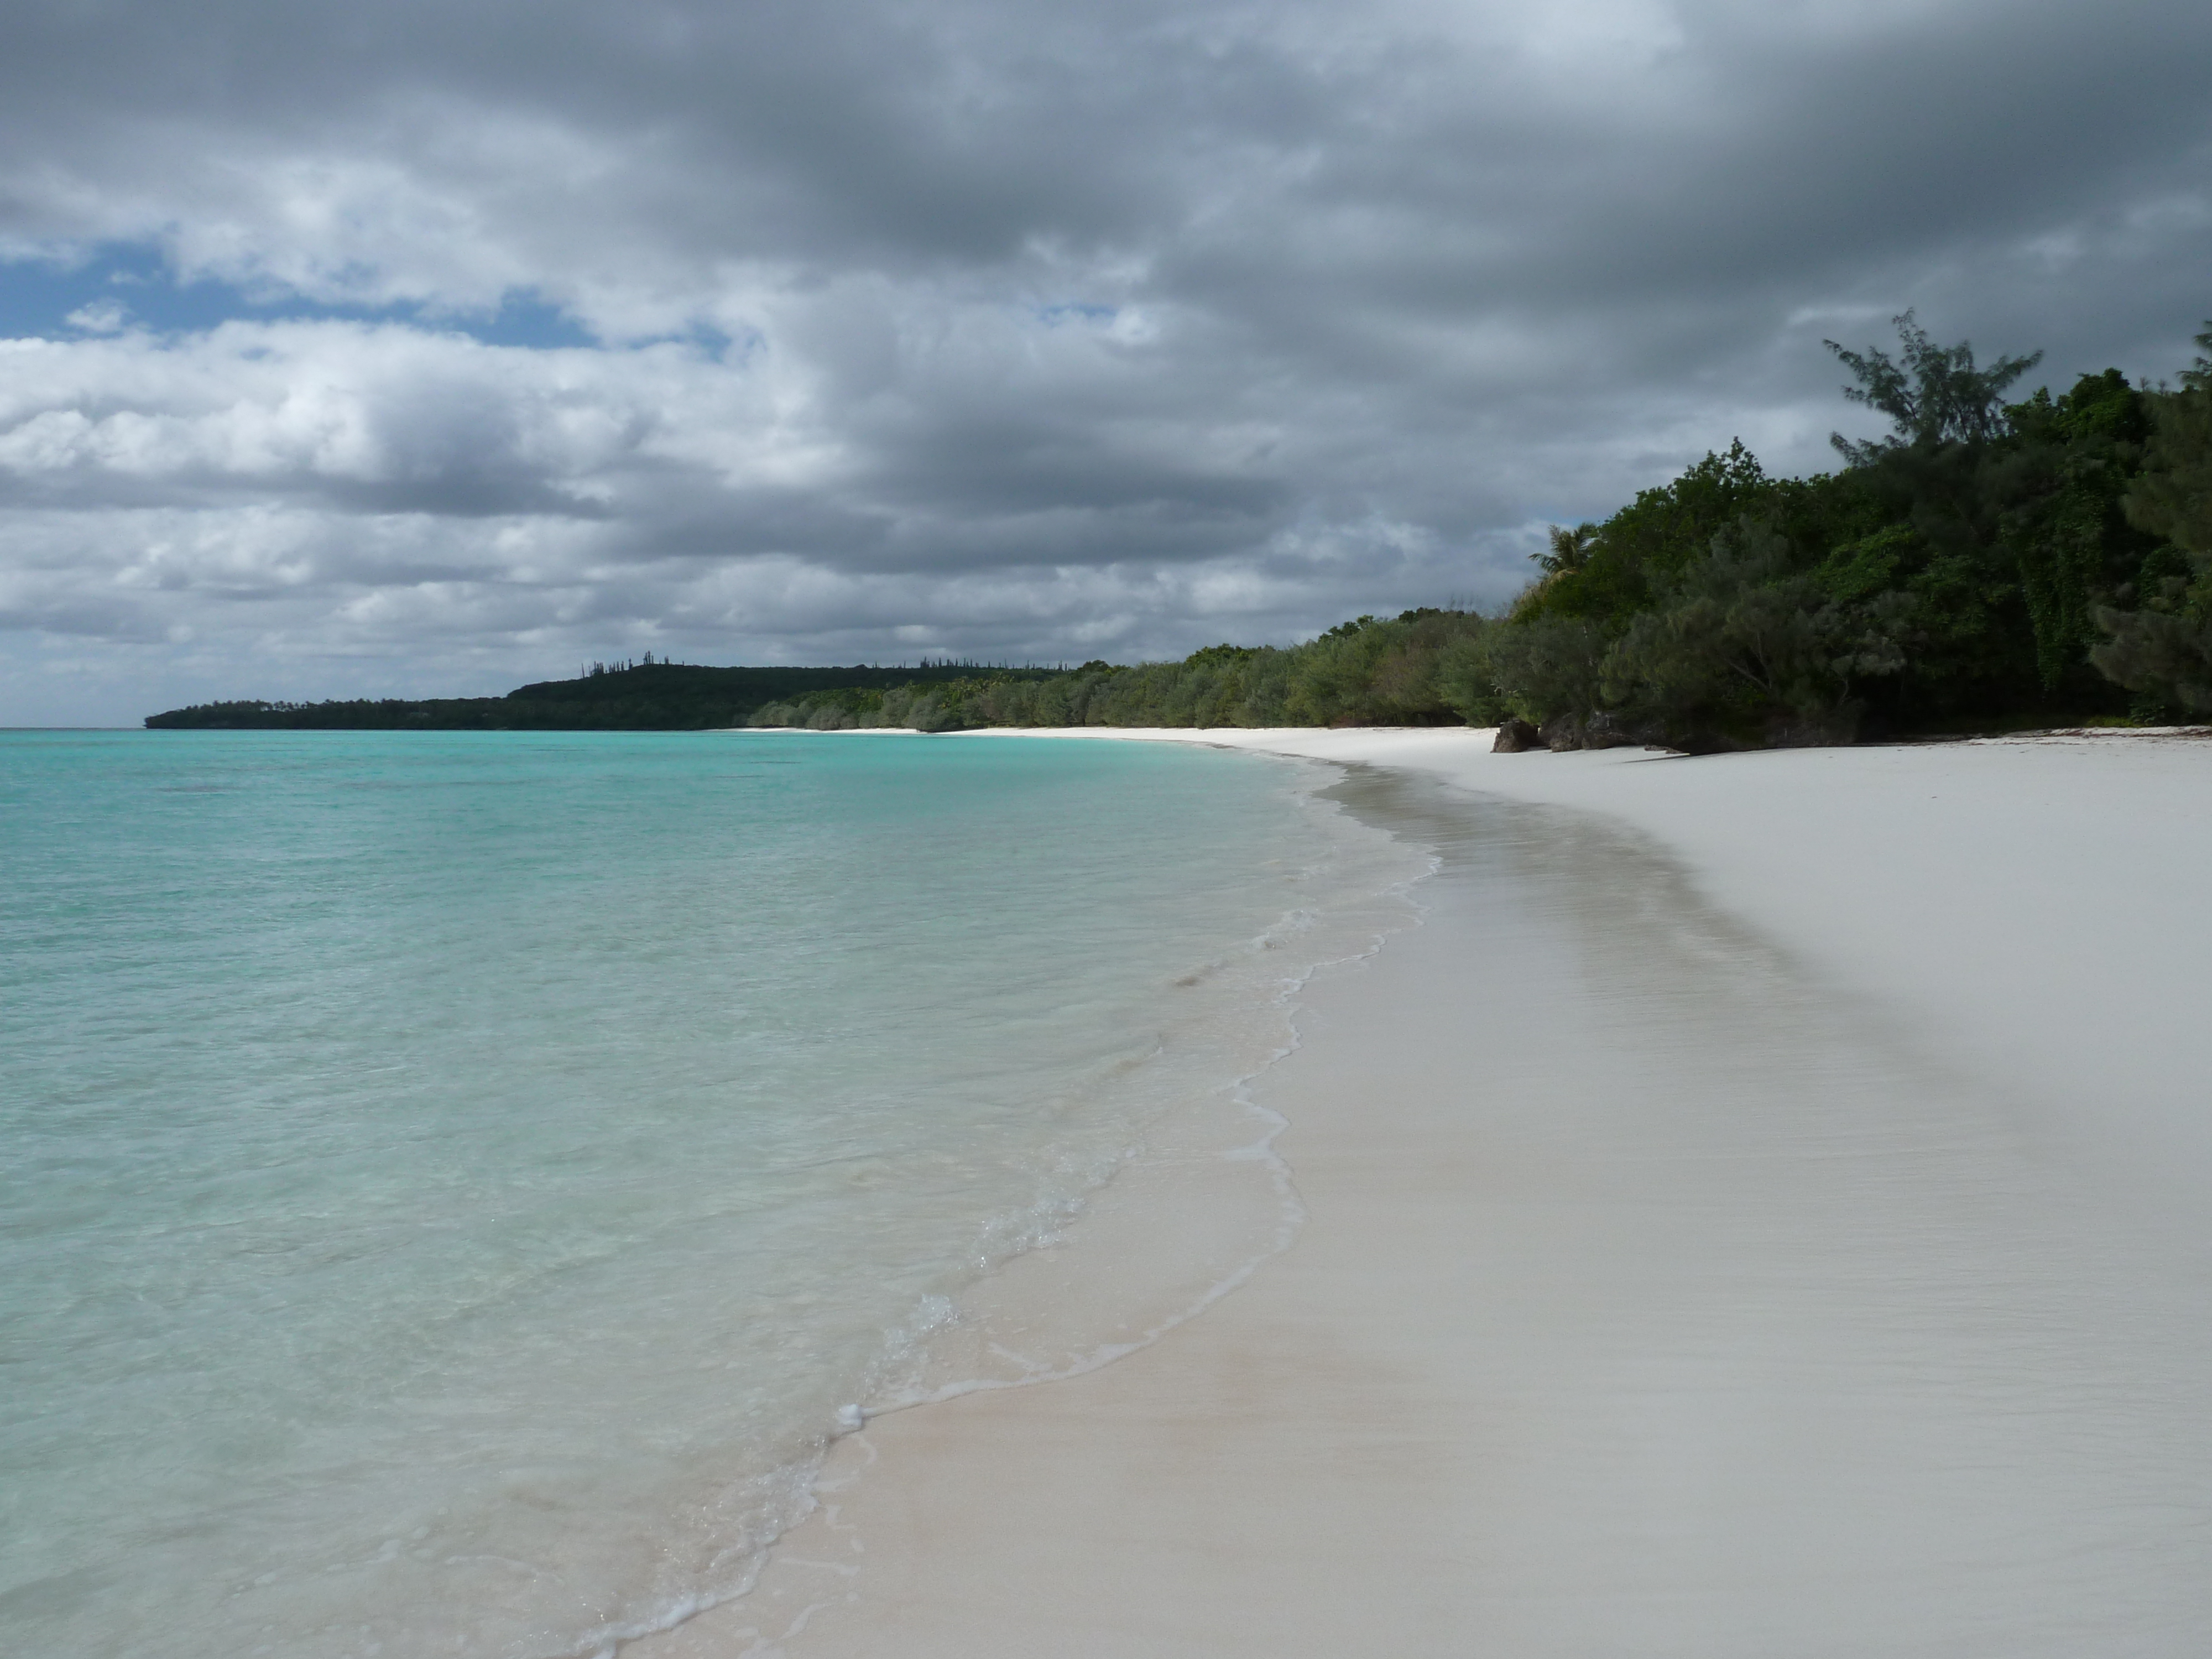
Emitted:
<point x="1985" y="565"/>
<point x="647" y="695"/>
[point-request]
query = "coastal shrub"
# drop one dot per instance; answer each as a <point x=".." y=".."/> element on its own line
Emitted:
<point x="1747" y="647"/>
<point x="1466" y="679"/>
<point x="1372" y="671"/>
<point x="1982" y="563"/>
<point x="2157" y="637"/>
<point x="1546" y="667"/>
<point x="1605" y="573"/>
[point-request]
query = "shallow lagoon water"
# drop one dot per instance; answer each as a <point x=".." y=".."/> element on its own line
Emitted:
<point x="453" y="1181"/>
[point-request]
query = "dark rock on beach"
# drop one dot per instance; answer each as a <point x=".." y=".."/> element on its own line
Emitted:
<point x="1516" y="737"/>
<point x="1561" y="732"/>
<point x="1608" y="732"/>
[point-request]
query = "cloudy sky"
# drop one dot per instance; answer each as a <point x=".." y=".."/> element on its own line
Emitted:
<point x="429" y="348"/>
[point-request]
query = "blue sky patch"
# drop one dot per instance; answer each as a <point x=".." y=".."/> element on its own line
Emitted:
<point x="132" y="284"/>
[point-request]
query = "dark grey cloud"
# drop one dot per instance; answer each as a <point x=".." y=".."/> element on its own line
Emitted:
<point x="430" y="347"/>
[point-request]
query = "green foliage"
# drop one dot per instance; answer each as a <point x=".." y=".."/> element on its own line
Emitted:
<point x="1569" y="550"/>
<point x="1935" y="397"/>
<point x="1605" y="573"/>
<point x="2160" y="645"/>
<point x="1466" y="679"/>
<point x="2171" y="499"/>
<point x="1857" y="570"/>
<point x="2165" y="654"/>
<point x="1748" y="646"/>
<point x="1546" y="666"/>
<point x="2065" y="479"/>
<point x="1373" y="672"/>
<point x="1369" y="671"/>
<point x="1958" y="572"/>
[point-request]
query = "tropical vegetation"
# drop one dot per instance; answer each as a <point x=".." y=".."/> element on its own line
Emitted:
<point x="1985" y="564"/>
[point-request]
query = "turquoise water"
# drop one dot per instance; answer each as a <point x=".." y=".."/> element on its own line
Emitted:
<point x="452" y="1181"/>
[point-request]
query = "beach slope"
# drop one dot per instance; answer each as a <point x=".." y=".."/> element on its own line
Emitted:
<point x="1758" y="1212"/>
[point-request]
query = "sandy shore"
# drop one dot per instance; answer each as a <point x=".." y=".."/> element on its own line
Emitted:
<point x="1760" y="1213"/>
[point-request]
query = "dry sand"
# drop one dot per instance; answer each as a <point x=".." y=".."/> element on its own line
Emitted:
<point x="1761" y="1212"/>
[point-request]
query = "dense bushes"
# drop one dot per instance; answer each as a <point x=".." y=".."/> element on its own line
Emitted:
<point x="2158" y="632"/>
<point x="1409" y="670"/>
<point x="1987" y="563"/>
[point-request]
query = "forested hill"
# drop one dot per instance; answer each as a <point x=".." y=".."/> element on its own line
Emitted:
<point x="648" y="696"/>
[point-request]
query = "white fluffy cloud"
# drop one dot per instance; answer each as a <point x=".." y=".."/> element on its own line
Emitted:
<point x="1100" y="329"/>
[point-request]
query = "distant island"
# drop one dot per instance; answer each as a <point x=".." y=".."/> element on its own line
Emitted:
<point x="1987" y="566"/>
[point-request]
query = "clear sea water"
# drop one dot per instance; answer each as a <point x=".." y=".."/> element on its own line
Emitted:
<point x="449" y="1183"/>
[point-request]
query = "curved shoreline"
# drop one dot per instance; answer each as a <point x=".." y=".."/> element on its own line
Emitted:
<point x="1664" y="1291"/>
<point x="2035" y="908"/>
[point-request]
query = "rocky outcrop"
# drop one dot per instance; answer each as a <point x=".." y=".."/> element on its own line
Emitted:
<point x="1516" y="737"/>
<point x="1606" y="730"/>
<point x="1562" y="732"/>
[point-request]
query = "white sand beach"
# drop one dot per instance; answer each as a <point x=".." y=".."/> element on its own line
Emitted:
<point x="1762" y="1211"/>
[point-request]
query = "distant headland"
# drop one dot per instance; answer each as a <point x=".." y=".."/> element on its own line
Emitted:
<point x="623" y="696"/>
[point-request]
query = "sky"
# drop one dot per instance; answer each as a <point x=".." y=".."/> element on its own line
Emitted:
<point x="428" y="349"/>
